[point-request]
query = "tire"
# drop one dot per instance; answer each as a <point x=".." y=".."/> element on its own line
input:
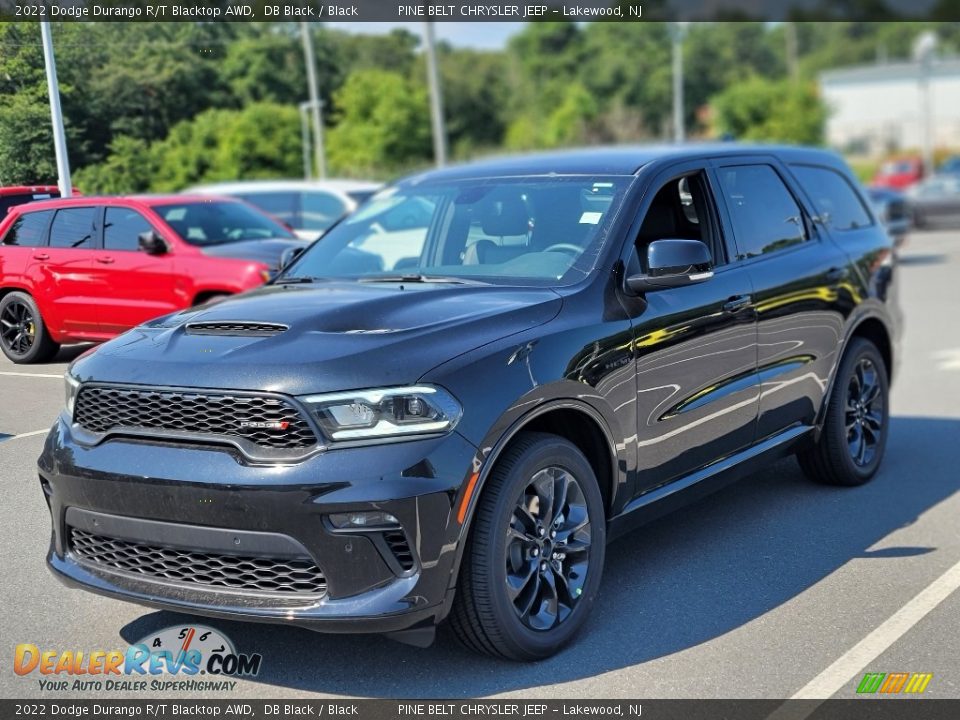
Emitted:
<point x="505" y="546"/>
<point x="855" y="427"/>
<point x="24" y="337"/>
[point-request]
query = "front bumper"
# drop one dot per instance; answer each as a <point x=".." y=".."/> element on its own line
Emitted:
<point x="161" y="500"/>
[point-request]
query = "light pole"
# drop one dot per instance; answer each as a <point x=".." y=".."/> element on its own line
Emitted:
<point x="677" y="31"/>
<point x="56" y="114"/>
<point x="923" y="52"/>
<point x="436" y="98"/>
<point x="315" y="103"/>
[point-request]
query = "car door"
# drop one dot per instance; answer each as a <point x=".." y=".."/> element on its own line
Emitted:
<point x="801" y="288"/>
<point x="66" y="273"/>
<point x="695" y="346"/>
<point x="142" y="284"/>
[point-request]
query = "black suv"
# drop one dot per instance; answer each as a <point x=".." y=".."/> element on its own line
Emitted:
<point x="450" y="404"/>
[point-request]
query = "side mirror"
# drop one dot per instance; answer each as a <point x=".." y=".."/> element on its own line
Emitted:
<point x="289" y="255"/>
<point x="152" y="244"/>
<point x="673" y="263"/>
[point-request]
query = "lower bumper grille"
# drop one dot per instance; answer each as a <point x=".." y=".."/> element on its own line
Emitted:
<point x="296" y="577"/>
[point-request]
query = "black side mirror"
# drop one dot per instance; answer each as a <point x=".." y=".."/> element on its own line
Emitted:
<point x="152" y="244"/>
<point x="673" y="263"/>
<point x="289" y="255"/>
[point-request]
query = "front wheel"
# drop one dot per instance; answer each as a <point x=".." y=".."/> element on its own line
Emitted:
<point x="531" y="569"/>
<point x="24" y="337"/>
<point x="854" y="433"/>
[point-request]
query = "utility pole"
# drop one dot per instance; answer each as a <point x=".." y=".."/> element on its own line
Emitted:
<point x="923" y="52"/>
<point x="315" y="102"/>
<point x="56" y="114"/>
<point x="436" y="98"/>
<point x="790" y="37"/>
<point x="677" y="31"/>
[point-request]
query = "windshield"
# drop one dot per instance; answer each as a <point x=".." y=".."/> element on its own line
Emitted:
<point x="537" y="230"/>
<point x="219" y="222"/>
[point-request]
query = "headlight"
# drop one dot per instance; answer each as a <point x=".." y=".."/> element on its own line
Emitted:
<point x="71" y="388"/>
<point x="385" y="414"/>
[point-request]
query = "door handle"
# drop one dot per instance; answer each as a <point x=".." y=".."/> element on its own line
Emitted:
<point x="836" y="274"/>
<point x="41" y="256"/>
<point x="736" y="303"/>
<point x="105" y="260"/>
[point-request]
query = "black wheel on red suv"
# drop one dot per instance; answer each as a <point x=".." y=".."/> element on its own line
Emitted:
<point x="533" y="564"/>
<point x="854" y="435"/>
<point x="24" y="337"/>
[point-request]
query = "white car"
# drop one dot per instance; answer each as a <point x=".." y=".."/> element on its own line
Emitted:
<point x="309" y="207"/>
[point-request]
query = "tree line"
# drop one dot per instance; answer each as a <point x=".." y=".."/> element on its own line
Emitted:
<point x="159" y="106"/>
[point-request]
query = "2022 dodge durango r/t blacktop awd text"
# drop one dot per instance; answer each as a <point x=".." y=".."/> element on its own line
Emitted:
<point x="453" y="419"/>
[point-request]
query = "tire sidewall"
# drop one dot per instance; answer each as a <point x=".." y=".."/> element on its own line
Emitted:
<point x="526" y="642"/>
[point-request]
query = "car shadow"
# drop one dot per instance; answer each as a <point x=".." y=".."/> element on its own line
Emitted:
<point x="69" y="353"/>
<point x="671" y="585"/>
<point x="928" y="259"/>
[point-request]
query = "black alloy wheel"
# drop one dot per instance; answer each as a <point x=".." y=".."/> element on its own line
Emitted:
<point x="532" y="565"/>
<point x="548" y="549"/>
<point x="23" y="336"/>
<point x="855" y="425"/>
<point x="864" y="412"/>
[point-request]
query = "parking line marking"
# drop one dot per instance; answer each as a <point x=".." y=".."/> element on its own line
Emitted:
<point x="852" y="662"/>
<point x="25" y="435"/>
<point x="36" y="375"/>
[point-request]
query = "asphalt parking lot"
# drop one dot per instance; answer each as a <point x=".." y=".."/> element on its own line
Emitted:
<point x="773" y="587"/>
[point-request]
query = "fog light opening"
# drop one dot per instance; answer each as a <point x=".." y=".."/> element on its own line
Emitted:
<point x="363" y="519"/>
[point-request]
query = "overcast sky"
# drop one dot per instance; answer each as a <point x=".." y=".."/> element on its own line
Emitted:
<point x="484" y="35"/>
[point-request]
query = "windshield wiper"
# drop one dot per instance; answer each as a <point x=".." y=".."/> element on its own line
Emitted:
<point x="418" y="278"/>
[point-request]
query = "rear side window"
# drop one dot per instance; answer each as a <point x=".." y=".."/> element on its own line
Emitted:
<point x="122" y="228"/>
<point x="73" y="228"/>
<point x="765" y="216"/>
<point x="29" y="230"/>
<point x="834" y="199"/>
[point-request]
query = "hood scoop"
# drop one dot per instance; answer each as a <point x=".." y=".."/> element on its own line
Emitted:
<point x="235" y="328"/>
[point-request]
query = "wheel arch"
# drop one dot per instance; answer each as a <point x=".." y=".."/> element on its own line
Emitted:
<point x="568" y="416"/>
<point x="202" y="296"/>
<point x="870" y="328"/>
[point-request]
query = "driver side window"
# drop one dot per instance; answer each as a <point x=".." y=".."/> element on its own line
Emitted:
<point x="121" y="228"/>
<point x="681" y="210"/>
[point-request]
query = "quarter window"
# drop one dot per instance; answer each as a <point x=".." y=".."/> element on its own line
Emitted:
<point x="834" y="199"/>
<point x="765" y="216"/>
<point x="122" y="227"/>
<point x="73" y="228"/>
<point x="29" y="230"/>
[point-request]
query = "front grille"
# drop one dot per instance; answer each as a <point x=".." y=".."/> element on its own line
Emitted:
<point x="269" y="422"/>
<point x="240" y="328"/>
<point x="400" y="548"/>
<point x="298" y="577"/>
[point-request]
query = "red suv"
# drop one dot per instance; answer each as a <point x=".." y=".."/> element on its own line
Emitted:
<point x="87" y="269"/>
<point x="17" y="195"/>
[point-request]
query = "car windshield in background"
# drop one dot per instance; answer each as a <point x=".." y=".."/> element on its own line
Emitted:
<point x="303" y="210"/>
<point x="537" y="230"/>
<point x="204" y="223"/>
<point x="9" y="201"/>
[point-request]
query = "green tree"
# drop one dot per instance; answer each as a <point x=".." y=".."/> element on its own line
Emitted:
<point x="26" y="141"/>
<point x="129" y="168"/>
<point x="382" y="125"/>
<point x="770" y="110"/>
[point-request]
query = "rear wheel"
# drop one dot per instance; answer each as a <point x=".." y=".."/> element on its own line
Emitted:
<point x="854" y="432"/>
<point x="532" y="566"/>
<point x="24" y="337"/>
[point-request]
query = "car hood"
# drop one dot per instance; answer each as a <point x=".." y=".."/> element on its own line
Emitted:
<point x="338" y="336"/>
<point x="268" y="251"/>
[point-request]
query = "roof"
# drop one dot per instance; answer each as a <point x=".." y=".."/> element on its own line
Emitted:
<point x="147" y="200"/>
<point x="28" y="189"/>
<point x="617" y="160"/>
<point x="886" y="72"/>
<point x="259" y="186"/>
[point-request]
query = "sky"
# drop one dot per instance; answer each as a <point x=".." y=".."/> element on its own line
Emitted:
<point x="481" y="35"/>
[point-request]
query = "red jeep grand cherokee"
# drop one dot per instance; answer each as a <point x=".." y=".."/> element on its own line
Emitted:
<point x="86" y="269"/>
